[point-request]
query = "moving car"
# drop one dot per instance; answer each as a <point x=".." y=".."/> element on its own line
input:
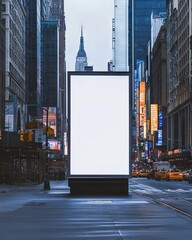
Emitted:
<point x="161" y="174"/>
<point x="174" y="174"/>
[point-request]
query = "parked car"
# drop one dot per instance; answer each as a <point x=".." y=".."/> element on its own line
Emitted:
<point x="174" y="174"/>
<point x="161" y="174"/>
<point x="135" y="173"/>
<point x="190" y="176"/>
<point x="143" y="173"/>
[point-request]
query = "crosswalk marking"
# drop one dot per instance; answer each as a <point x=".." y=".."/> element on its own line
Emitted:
<point x="141" y="188"/>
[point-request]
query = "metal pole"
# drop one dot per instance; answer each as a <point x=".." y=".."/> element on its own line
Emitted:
<point x="46" y="182"/>
<point x="19" y="166"/>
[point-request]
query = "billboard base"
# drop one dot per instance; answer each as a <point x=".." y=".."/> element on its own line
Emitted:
<point x="98" y="186"/>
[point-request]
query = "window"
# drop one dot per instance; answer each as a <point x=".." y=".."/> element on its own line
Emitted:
<point x="3" y="8"/>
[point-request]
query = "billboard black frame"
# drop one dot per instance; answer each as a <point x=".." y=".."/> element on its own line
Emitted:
<point x="99" y="73"/>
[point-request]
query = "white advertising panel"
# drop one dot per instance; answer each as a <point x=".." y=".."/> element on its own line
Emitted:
<point x="99" y="124"/>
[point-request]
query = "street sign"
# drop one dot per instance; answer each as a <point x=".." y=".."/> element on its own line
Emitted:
<point x="31" y="125"/>
<point x="39" y="135"/>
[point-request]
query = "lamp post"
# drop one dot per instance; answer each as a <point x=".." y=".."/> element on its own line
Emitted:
<point x="46" y="181"/>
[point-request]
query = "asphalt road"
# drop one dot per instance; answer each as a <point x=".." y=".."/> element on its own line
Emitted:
<point x="30" y="213"/>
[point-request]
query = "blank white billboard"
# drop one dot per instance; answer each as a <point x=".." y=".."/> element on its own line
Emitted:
<point x="99" y="124"/>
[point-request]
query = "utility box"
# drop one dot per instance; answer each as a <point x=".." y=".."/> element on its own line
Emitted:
<point x="99" y="113"/>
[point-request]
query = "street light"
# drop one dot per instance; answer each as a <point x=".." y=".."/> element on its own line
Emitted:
<point x="46" y="181"/>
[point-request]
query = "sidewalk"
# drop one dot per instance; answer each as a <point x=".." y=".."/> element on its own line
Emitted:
<point x="23" y="186"/>
<point x="63" y="184"/>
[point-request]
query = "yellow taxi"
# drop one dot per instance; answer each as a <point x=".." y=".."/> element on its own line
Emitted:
<point x="174" y="174"/>
<point x="161" y="174"/>
<point x="135" y="173"/>
<point x="143" y="173"/>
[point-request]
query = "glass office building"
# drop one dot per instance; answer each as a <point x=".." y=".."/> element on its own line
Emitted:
<point x="140" y="26"/>
<point x="33" y="59"/>
<point x="50" y="63"/>
<point x="2" y="75"/>
<point x="140" y="32"/>
<point x="120" y="36"/>
<point x="139" y="19"/>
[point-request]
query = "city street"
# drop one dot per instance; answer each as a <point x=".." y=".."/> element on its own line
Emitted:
<point x="29" y="212"/>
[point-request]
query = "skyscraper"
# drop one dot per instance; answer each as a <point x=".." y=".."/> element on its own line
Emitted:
<point x="2" y="75"/>
<point x="57" y="13"/>
<point x="179" y="68"/>
<point x="50" y="61"/>
<point x="14" y="18"/>
<point x="139" y="35"/>
<point x="120" y="36"/>
<point x="140" y="32"/>
<point x="81" y="59"/>
<point x="33" y="59"/>
<point x="140" y="26"/>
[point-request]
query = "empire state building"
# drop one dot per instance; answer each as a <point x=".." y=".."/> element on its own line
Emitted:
<point x="81" y="59"/>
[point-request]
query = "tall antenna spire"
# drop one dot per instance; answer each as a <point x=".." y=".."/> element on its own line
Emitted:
<point x="81" y="31"/>
<point x="81" y="51"/>
<point x="81" y="59"/>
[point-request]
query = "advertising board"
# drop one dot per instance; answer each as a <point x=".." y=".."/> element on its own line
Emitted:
<point x="99" y="112"/>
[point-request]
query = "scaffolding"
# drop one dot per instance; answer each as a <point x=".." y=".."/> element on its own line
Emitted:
<point x="22" y="165"/>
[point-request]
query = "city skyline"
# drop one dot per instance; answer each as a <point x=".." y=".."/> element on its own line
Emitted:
<point x="96" y="19"/>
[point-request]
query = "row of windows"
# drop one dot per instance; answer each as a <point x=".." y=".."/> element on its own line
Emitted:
<point x="183" y="28"/>
<point x="184" y="54"/>
<point x="3" y="7"/>
<point x="149" y="4"/>
<point x="17" y="54"/>
<point x="16" y="89"/>
<point x="20" y="13"/>
<point x="16" y="75"/>
<point x="184" y="71"/>
<point x="179" y="64"/>
<point x="184" y="36"/>
<point x="172" y="84"/>
<point x="19" y="35"/>
<point x="184" y="8"/>
<point x="16" y="60"/>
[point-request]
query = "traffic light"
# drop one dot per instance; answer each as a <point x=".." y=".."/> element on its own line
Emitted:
<point x="30" y="137"/>
<point x="21" y="136"/>
<point x="26" y="136"/>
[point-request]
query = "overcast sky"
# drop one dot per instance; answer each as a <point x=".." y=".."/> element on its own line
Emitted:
<point x="96" y="18"/>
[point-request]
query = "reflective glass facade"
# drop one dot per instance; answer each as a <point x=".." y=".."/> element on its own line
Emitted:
<point x="50" y="61"/>
<point x="2" y="75"/>
<point x="120" y="36"/>
<point x="33" y="63"/>
<point x="142" y="25"/>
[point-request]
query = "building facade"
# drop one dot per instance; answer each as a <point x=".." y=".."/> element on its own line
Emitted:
<point x="33" y="60"/>
<point x="56" y="12"/>
<point x="120" y="36"/>
<point x="140" y="32"/>
<point x="179" y="28"/>
<point x="14" y="17"/>
<point x="50" y="63"/>
<point x="2" y="74"/>
<point x="139" y="25"/>
<point x="157" y="20"/>
<point x="158" y="84"/>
